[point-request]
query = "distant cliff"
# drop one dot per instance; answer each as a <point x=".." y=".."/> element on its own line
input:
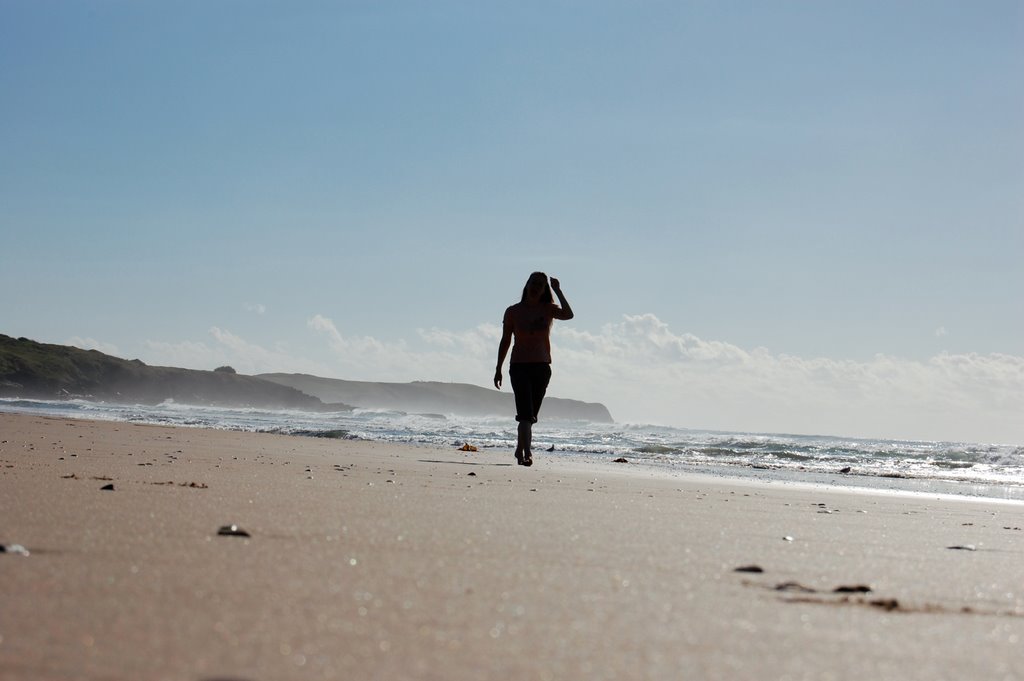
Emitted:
<point x="429" y="397"/>
<point x="42" y="371"/>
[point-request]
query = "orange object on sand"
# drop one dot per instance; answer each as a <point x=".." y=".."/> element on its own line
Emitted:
<point x="467" y="448"/>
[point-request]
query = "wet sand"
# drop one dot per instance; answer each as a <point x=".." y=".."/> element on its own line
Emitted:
<point x="377" y="561"/>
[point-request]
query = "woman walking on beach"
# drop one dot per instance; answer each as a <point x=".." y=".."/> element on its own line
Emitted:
<point x="529" y="322"/>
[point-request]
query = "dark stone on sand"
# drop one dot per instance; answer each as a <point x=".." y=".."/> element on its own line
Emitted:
<point x="14" y="548"/>
<point x="108" y="488"/>
<point x="795" y="586"/>
<point x="749" y="568"/>
<point x="846" y="470"/>
<point x="621" y="460"/>
<point x="965" y="547"/>
<point x="232" y="531"/>
<point x="471" y="473"/>
<point x="888" y="604"/>
<point x="857" y="589"/>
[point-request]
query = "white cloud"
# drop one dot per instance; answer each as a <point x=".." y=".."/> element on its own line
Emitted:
<point x="229" y="349"/>
<point x="941" y="331"/>
<point x="441" y="356"/>
<point x="647" y="373"/>
<point x="93" y="344"/>
<point x="187" y="354"/>
<point x="258" y="308"/>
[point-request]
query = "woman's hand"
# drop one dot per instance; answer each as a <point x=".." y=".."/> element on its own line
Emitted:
<point x="497" y="379"/>
<point x="555" y="284"/>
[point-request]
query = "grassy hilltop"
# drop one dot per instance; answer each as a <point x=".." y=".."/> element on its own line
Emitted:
<point x="44" y="371"/>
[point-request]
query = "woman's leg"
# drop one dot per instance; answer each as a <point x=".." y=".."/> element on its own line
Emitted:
<point x="525" y="440"/>
<point x="529" y="384"/>
<point x="520" y="377"/>
<point x="540" y="375"/>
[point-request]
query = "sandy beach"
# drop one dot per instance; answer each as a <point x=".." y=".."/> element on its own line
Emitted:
<point x="377" y="561"/>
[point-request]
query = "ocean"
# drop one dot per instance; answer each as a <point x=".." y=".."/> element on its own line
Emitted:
<point x="958" y="468"/>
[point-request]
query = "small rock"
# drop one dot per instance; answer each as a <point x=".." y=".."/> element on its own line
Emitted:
<point x="964" y="547"/>
<point x="787" y="538"/>
<point x="794" y="586"/>
<point x="108" y="488"/>
<point x="472" y="474"/>
<point x="846" y="470"/>
<point x="232" y="531"/>
<point x="857" y="589"/>
<point x="749" y="568"/>
<point x="621" y="460"/>
<point x="14" y="548"/>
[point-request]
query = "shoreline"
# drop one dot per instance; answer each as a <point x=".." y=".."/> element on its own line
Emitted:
<point x="821" y="472"/>
<point x="853" y="483"/>
<point x="375" y="560"/>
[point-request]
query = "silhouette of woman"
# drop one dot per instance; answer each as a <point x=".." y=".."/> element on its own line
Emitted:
<point x="529" y="322"/>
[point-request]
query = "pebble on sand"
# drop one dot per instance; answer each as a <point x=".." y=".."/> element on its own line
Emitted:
<point x="14" y="548"/>
<point x="108" y="488"/>
<point x="857" y="589"/>
<point x="232" y="531"/>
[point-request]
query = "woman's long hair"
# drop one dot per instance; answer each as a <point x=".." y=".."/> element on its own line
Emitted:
<point x="547" y="296"/>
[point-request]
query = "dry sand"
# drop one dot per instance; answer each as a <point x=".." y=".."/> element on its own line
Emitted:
<point x="375" y="561"/>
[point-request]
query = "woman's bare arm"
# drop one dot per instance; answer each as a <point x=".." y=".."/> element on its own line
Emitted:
<point x="503" y="346"/>
<point x="566" y="311"/>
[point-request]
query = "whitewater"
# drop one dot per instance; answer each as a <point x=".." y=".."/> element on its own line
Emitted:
<point x="970" y="469"/>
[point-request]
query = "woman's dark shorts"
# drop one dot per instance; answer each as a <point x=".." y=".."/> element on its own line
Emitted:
<point x="529" y="383"/>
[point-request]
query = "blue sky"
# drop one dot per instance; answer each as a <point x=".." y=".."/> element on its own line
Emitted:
<point x="803" y="217"/>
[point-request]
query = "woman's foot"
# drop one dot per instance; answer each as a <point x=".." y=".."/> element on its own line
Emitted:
<point x="528" y="459"/>
<point x="519" y="457"/>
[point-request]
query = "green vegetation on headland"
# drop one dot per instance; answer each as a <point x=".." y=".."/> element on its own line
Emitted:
<point x="42" y="371"/>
